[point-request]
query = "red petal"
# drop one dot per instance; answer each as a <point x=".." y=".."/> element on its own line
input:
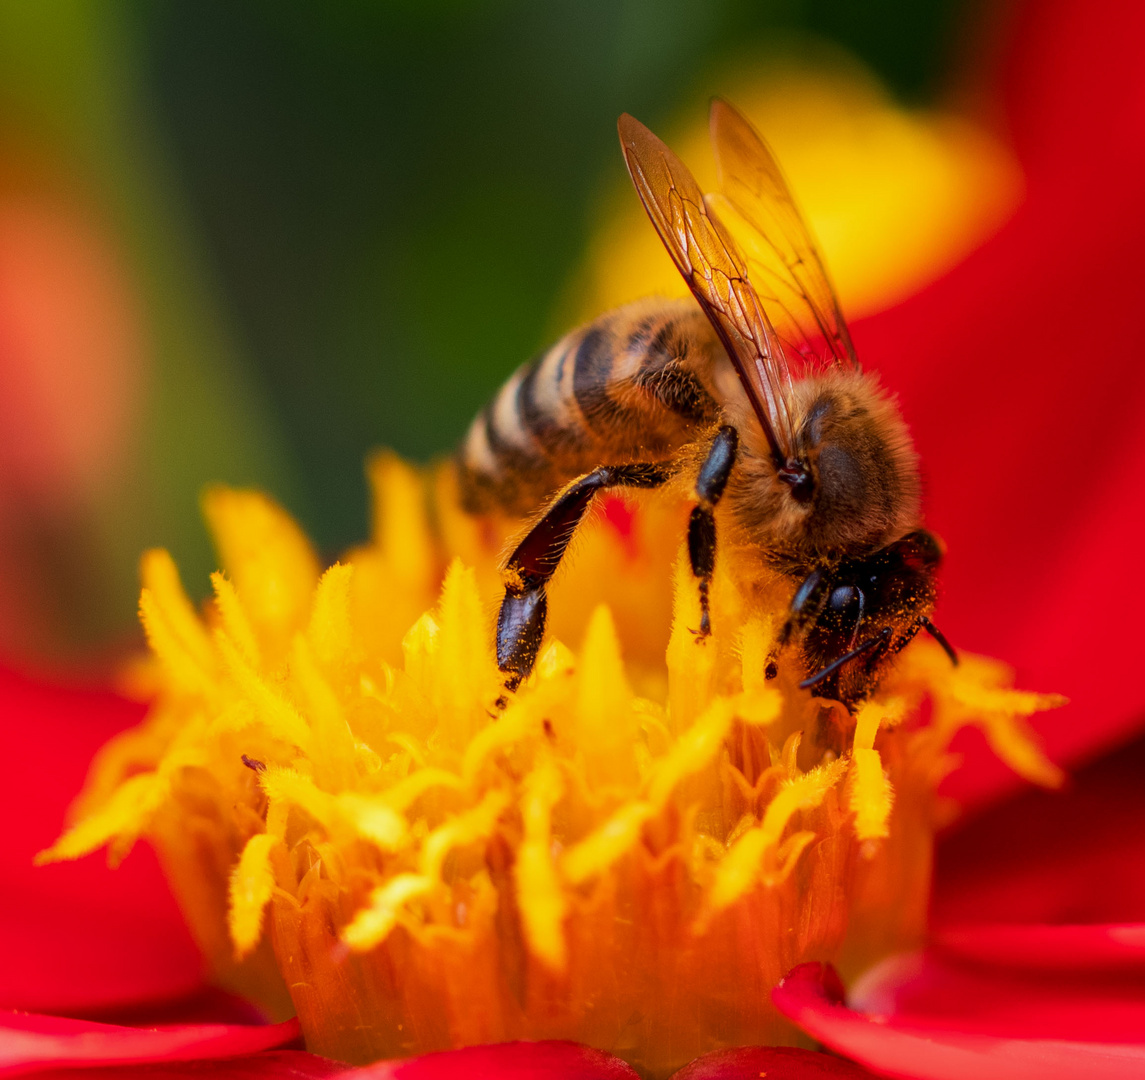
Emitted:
<point x="270" y="1065"/>
<point x="939" y="992"/>
<point x="131" y="943"/>
<point x="779" y="1062"/>
<point x="947" y="1047"/>
<point x="505" y="1061"/>
<point x="1021" y="376"/>
<point x="1107" y="947"/>
<point x="1046" y="857"/>
<point x="1072" y="84"/>
<point x="29" y="1042"/>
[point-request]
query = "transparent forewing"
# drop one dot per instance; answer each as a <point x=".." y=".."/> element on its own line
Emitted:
<point x="716" y="272"/>
<point x="786" y="270"/>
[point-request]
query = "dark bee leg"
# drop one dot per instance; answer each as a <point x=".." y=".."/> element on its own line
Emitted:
<point x="940" y="637"/>
<point x="521" y="621"/>
<point x="710" y="486"/>
<point x="807" y="604"/>
<point x="879" y="641"/>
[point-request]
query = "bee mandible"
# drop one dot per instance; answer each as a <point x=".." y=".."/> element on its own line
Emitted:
<point x="760" y="384"/>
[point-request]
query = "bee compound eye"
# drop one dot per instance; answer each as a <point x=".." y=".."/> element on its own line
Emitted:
<point x="842" y="596"/>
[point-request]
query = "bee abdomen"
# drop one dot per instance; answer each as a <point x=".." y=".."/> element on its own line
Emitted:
<point x="631" y="386"/>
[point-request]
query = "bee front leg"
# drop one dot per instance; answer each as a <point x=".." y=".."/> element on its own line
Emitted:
<point x="710" y="486"/>
<point x="521" y="620"/>
<point x="806" y="605"/>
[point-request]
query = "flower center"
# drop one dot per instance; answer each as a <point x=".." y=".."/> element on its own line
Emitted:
<point x="631" y="854"/>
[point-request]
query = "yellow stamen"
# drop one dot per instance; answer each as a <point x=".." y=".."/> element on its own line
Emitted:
<point x="269" y="706"/>
<point x="236" y="625"/>
<point x="539" y="892"/>
<point x="252" y="884"/>
<point x="270" y="561"/>
<point x="871" y="796"/>
<point x="175" y="635"/>
<point x="753" y="855"/>
<point x="329" y="631"/>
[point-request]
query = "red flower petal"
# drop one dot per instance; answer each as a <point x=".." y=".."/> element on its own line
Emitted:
<point x="271" y="1065"/>
<point x="1106" y="947"/>
<point x="950" y="1045"/>
<point x="75" y="937"/>
<point x="1049" y="857"/>
<point x="505" y="1061"/>
<point x="1021" y="375"/>
<point x="29" y="1042"/>
<point x="779" y="1062"/>
<point x="1072" y="85"/>
<point x="939" y="992"/>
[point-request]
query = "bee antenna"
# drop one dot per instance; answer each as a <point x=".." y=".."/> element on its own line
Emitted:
<point x="940" y="637"/>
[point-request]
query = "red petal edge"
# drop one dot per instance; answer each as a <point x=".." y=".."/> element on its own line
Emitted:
<point x="808" y="996"/>
<point x="933" y="991"/>
<point x="781" y="1062"/>
<point x="1107" y="947"/>
<point x="505" y="1061"/>
<point x="271" y="1065"/>
<point x="31" y="1043"/>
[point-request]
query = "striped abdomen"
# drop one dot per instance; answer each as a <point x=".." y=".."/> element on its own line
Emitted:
<point x="635" y="385"/>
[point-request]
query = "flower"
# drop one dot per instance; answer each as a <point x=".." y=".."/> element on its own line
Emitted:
<point x="1086" y="555"/>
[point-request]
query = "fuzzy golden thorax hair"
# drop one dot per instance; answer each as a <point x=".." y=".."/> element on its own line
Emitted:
<point x="864" y="489"/>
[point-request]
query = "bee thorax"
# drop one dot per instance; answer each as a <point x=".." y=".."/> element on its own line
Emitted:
<point x="852" y="484"/>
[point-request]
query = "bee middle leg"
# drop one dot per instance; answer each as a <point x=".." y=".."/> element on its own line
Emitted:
<point x="521" y="620"/>
<point x="710" y="484"/>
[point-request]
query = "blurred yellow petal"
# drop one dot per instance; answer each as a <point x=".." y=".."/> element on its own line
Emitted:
<point x="269" y="560"/>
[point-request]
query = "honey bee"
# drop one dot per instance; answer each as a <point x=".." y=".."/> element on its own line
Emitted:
<point x="757" y="382"/>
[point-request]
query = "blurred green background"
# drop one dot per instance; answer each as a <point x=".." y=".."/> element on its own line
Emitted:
<point x="343" y="224"/>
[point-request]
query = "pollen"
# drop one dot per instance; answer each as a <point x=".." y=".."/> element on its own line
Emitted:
<point x="629" y="852"/>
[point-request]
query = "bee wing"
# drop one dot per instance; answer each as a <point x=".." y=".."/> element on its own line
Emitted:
<point x="707" y="257"/>
<point x="786" y="269"/>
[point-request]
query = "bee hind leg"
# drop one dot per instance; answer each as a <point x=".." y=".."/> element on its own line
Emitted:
<point x="710" y="484"/>
<point x="521" y="620"/>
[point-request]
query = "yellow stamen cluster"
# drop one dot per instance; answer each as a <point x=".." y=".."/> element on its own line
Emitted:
<point x="630" y="854"/>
